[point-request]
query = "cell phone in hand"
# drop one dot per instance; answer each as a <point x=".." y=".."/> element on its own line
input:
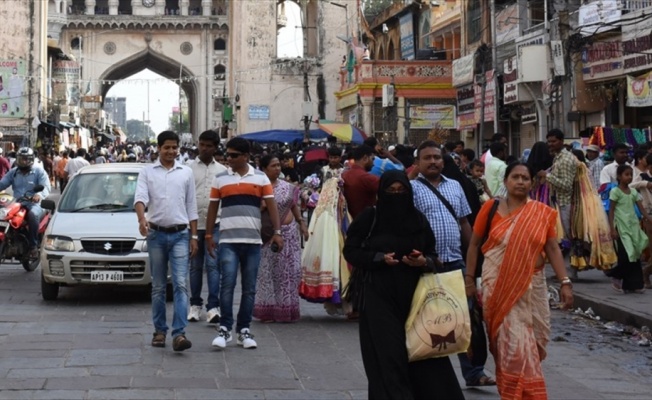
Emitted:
<point x="274" y="247"/>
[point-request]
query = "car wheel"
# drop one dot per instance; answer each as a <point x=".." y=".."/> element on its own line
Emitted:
<point x="49" y="291"/>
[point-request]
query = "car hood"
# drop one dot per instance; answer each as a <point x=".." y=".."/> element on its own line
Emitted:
<point x="105" y="224"/>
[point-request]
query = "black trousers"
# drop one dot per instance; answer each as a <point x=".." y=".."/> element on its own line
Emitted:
<point x="629" y="271"/>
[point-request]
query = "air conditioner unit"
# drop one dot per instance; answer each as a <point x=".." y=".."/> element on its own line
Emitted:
<point x="388" y="95"/>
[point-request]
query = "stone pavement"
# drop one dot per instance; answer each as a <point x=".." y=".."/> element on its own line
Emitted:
<point x="93" y="343"/>
<point x="593" y="289"/>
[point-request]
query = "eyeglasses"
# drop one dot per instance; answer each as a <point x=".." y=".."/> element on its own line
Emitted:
<point x="233" y="155"/>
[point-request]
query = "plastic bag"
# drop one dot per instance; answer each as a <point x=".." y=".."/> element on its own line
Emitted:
<point x="439" y="323"/>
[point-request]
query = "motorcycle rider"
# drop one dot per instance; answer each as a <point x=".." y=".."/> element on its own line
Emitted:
<point x="22" y="179"/>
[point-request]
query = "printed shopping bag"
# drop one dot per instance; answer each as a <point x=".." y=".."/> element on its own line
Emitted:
<point x="439" y="323"/>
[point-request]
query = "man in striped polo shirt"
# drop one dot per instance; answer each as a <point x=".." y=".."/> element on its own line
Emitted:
<point x="241" y="190"/>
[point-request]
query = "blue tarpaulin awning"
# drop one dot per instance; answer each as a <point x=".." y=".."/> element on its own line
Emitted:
<point x="283" y="135"/>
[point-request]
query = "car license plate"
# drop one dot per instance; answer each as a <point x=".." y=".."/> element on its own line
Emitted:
<point x="107" y="276"/>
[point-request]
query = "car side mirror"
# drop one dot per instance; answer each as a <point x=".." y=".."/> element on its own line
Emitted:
<point x="48" y="204"/>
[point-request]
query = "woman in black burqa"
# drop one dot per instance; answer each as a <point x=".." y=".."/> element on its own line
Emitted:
<point x="391" y="278"/>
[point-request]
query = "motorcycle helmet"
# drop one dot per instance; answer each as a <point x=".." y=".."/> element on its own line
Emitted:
<point x="25" y="158"/>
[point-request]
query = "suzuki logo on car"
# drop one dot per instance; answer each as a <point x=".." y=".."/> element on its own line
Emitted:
<point x="107" y="246"/>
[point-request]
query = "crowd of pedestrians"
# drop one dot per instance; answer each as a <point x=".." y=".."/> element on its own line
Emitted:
<point x="295" y="228"/>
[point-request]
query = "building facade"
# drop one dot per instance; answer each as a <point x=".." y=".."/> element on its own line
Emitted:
<point x="23" y="75"/>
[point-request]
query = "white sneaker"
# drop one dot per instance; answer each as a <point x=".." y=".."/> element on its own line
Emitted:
<point x="193" y="314"/>
<point x="223" y="337"/>
<point x="213" y="316"/>
<point x="246" y="339"/>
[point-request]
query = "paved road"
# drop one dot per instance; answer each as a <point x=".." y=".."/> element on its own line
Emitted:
<point x="94" y="344"/>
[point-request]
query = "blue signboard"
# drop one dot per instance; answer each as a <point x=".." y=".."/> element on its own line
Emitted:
<point x="407" y="36"/>
<point x="258" y="112"/>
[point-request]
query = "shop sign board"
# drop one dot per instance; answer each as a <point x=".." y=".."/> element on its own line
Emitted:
<point x="407" y="36"/>
<point x="639" y="93"/>
<point x="13" y="96"/>
<point x="258" y="112"/>
<point x="507" y="24"/>
<point x="598" y="16"/>
<point x="488" y="101"/>
<point x="528" y="114"/>
<point x="637" y="43"/>
<point x="432" y="116"/>
<point x="463" y="70"/>
<point x="602" y="60"/>
<point x="65" y="82"/>
<point x="466" y="107"/>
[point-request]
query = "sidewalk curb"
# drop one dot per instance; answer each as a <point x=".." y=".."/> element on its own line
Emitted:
<point x="609" y="311"/>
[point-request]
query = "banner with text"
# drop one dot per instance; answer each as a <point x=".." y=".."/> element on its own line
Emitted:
<point x="13" y="98"/>
<point x="465" y="108"/>
<point x="407" y="36"/>
<point x="638" y="90"/>
<point x="65" y="82"/>
<point x="488" y="102"/>
<point x="433" y="116"/>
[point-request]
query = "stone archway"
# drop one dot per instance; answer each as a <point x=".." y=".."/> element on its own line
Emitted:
<point x="162" y="65"/>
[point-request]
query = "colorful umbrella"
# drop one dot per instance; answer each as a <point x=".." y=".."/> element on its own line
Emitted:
<point x="342" y="131"/>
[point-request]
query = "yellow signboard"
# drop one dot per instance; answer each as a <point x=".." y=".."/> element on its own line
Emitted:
<point x="433" y="116"/>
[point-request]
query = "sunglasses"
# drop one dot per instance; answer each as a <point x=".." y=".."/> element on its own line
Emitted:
<point x="233" y="155"/>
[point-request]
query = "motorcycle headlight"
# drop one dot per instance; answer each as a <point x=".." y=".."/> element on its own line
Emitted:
<point x="59" y="243"/>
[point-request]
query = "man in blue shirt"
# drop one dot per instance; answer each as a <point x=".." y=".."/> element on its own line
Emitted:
<point x="23" y="178"/>
<point x="452" y="232"/>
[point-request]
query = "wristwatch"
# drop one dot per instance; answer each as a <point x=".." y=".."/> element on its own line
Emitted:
<point x="566" y="281"/>
<point x="196" y="237"/>
<point x="277" y="232"/>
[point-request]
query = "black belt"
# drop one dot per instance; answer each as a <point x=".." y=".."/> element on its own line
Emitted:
<point x="168" y="229"/>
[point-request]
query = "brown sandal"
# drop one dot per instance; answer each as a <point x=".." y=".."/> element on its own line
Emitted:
<point x="158" y="340"/>
<point x="484" y="380"/>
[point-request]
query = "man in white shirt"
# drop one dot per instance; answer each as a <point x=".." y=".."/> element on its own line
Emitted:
<point x="76" y="164"/>
<point x="595" y="164"/>
<point x="167" y="190"/>
<point x="494" y="170"/>
<point x="204" y="169"/>
<point x="608" y="174"/>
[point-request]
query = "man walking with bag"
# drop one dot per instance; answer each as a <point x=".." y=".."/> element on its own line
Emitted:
<point x="444" y="204"/>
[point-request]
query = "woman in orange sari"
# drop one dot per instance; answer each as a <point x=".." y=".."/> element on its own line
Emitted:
<point x="514" y="292"/>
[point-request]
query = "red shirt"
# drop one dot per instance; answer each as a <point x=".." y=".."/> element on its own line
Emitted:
<point x="360" y="189"/>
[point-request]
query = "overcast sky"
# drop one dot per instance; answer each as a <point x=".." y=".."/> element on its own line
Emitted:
<point x="163" y="95"/>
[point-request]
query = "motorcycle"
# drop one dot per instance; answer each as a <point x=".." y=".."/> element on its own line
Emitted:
<point x="14" y="238"/>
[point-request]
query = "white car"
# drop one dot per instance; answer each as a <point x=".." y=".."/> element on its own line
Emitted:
<point x="93" y="237"/>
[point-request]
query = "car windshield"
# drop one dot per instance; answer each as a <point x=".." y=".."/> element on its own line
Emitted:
<point x="100" y="192"/>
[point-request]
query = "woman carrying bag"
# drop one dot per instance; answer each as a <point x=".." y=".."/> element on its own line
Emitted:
<point x="394" y="244"/>
<point x="514" y="292"/>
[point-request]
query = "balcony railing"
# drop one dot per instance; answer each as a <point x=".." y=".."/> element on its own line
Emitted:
<point x="633" y="5"/>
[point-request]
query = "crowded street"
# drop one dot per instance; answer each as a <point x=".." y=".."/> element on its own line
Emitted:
<point x="93" y="343"/>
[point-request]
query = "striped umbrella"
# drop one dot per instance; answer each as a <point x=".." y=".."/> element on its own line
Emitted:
<point x="342" y="131"/>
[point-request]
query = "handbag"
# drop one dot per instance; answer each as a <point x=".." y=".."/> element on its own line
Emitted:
<point x="439" y="323"/>
<point x="353" y="292"/>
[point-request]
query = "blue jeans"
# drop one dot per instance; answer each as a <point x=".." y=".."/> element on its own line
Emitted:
<point x="470" y="373"/>
<point x="248" y="257"/>
<point x="202" y="260"/>
<point x="173" y="249"/>
<point x="34" y="215"/>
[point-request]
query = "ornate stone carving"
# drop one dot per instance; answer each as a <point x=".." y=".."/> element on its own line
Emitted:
<point x="109" y="48"/>
<point x="148" y="37"/>
<point x="186" y="48"/>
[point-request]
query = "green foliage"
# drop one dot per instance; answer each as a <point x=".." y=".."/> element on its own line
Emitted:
<point x="138" y="130"/>
<point x="174" y="125"/>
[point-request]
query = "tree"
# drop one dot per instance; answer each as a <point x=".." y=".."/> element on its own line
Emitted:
<point x="138" y="130"/>
<point x="174" y="125"/>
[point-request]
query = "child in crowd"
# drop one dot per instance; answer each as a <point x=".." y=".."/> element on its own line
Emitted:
<point x="476" y="169"/>
<point x="626" y="230"/>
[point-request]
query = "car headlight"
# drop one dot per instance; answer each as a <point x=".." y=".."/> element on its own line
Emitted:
<point x="59" y="243"/>
<point x="144" y="248"/>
